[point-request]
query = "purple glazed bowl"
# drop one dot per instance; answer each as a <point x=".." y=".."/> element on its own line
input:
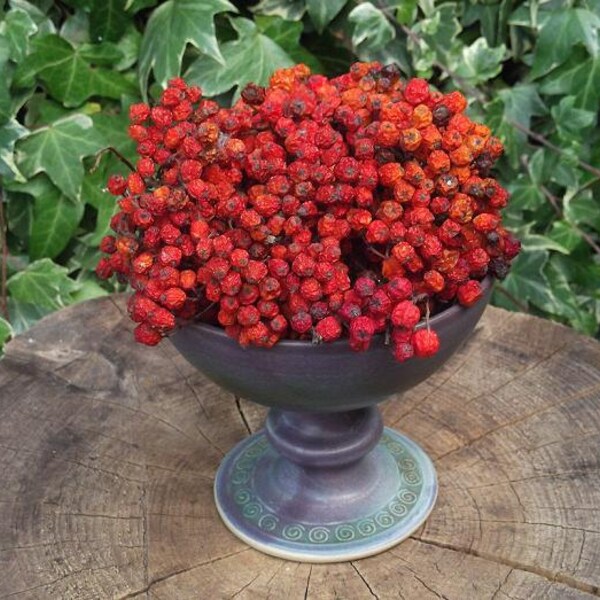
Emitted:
<point x="299" y="375"/>
<point x="324" y="481"/>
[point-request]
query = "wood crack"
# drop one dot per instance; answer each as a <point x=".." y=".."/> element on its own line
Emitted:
<point x="247" y="585"/>
<point x="418" y="578"/>
<point x="547" y="574"/>
<point x="502" y="584"/>
<point x="308" y="583"/>
<point x="180" y="572"/>
<point x="373" y="594"/>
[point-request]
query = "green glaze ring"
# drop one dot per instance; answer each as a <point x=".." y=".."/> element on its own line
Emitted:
<point x="255" y="513"/>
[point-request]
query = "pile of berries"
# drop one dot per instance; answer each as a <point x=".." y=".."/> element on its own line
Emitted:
<point x="312" y="209"/>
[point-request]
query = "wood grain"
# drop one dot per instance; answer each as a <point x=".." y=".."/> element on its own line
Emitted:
<point x="109" y="451"/>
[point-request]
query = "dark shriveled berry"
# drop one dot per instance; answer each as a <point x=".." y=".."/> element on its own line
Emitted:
<point x="253" y="94"/>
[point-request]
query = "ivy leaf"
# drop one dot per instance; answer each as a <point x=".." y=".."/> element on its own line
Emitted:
<point x="43" y="283"/>
<point x="55" y="220"/>
<point x="492" y="18"/>
<point x="564" y="234"/>
<point x="129" y="45"/>
<point x="17" y="28"/>
<point x="6" y="111"/>
<point x="108" y="20"/>
<point x="88" y="290"/>
<point x="584" y="274"/>
<point x="251" y="58"/>
<point x="39" y="17"/>
<point x="581" y="78"/>
<point x="480" y="62"/>
<point x="571" y="122"/>
<point x="104" y="54"/>
<point x="394" y="52"/>
<point x="171" y="27"/>
<point x="582" y="209"/>
<point x="67" y="74"/>
<point x="372" y="30"/>
<point x="406" y="12"/>
<point x="559" y="33"/>
<point x="322" y="13"/>
<point x="566" y="303"/>
<point x="9" y="133"/>
<point x="514" y="105"/>
<point x="437" y="35"/>
<point x="526" y="280"/>
<point x="134" y="6"/>
<point x="76" y="28"/>
<point x="112" y="130"/>
<point x="24" y="314"/>
<point x="19" y="215"/>
<point x="94" y="193"/>
<point x="6" y="332"/>
<point x="287" y="35"/>
<point x="525" y="194"/>
<point x="58" y="150"/>
<point x="290" y="10"/>
<point x="533" y="241"/>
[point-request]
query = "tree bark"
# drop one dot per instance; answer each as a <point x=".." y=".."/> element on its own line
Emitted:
<point x="109" y="450"/>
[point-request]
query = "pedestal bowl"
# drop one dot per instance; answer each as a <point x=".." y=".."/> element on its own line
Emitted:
<point x="324" y="481"/>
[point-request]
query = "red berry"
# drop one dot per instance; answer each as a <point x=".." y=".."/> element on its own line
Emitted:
<point x="405" y="314"/>
<point x="425" y="343"/>
<point x="328" y="329"/>
<point x="301" y="322"/>
<point x="469" y="293"/>
<point x="399" y="288"/>
<point x="145" y="334"/>
<point x="403" y="351"/>
<point x="173" y="298"/>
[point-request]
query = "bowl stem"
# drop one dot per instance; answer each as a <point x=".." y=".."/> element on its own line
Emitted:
<point x="324" y="440"/>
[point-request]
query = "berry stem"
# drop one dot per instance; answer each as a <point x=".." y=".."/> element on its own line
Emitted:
<point x="377" y="253"/>
<point x="102" y="152"/>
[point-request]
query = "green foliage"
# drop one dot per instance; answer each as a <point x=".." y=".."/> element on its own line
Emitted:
<point x="171" y="27"/>
<point x="531" y="71"/>
<point x="250" y="58"/>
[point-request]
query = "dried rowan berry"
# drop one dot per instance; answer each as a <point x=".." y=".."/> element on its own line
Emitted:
<point x="273" y="207"/>
<point x="416" y="91"/>
<point x="469" y="293"/>
<point x="403" y="351"/>
<point x="145" y="334"/>
<point x="425" y="343"/>
<point x="301" y="322"/>
<point x="405" y="314"/>
<point x="362" y="329"/>
<point x="328" y="329"/>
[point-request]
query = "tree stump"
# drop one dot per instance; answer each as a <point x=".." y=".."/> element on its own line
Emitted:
<point x="109" y="450"/>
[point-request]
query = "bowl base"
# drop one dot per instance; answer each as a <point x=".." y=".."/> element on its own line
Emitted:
<point x="325" y="514"/>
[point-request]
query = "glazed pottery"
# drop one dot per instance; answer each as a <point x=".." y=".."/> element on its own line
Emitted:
<point x="324" y="481"/>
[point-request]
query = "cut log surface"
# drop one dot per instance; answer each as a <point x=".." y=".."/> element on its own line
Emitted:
<point x="109" y="450"/>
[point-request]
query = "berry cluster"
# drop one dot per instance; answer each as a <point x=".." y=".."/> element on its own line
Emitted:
<point x="311" y="209"/>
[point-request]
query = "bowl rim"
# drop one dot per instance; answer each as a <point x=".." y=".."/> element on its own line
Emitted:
<point x="455" y="309"/>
